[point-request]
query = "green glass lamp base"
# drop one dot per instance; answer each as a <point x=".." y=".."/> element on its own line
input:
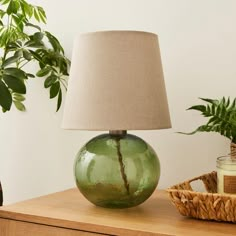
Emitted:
<point x="117" y="170"/>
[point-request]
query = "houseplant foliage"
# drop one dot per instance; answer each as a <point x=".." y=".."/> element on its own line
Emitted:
<point x="22" y="41"/>
<point x="221" y="116"/>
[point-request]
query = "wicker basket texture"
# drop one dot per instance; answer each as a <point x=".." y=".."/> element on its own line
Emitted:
<point x="207" y="205"/>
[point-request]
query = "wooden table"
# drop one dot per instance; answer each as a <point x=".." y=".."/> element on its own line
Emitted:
<point x="67" y="213"/>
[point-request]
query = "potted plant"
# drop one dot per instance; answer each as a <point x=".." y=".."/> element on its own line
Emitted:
<point x="221" y="116"/>
<point x="23" y="41"/>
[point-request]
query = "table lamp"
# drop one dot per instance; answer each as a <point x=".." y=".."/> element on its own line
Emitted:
<point x="116" y="84"/>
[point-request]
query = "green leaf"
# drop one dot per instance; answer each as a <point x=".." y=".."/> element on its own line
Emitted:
<point x="30" y="75"/>
<point x="42" y="14"/>
<point x="201" y="108"/>
<point x="227" y="102"/>
<point x="2" y="13"/>
<point x="34" y="44"/>
<point x="18" y="53"/>
<point x="27" y="55"/>
<point x="218" y="110"/>
<point x="15" y="72"/>
<point x="208" y="111"/>
<point x="199" y="129"/>
<point x="13" y="7"/>
<point x="19" y="105"/>
<point x="43" y="71"/>
<point x="212" y="120"/>
<point x="212" y="101"/>
<point x="222" y="117"/>
<point x="17" y="85"/>
<point x="5" y="2"/>
<point x="54" y="42"/>
<point x="38" y="36"/>
<point x="54" y="89"/>
<point x="41" y="10"/>
<point x="233" y="104"/>
<point x="5" y="97"/>
<point x="35" y="12"/>
<point x="23" y="9"/>
<point x="9" y="61"/>
<point x="36" y="56"/>
<point x="18" y="97"/>
<point x="51" y="79"/>
<point x="19" y="22"/>
<point x="16" y="44"/>
<point x="32" y="25"/>
<point x="3" y="36"/>
<point x="223" y="101"/>
<point x="59" y="99"/>
<point x="28" y="8"/>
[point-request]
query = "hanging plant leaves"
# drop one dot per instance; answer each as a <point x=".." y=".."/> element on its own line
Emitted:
<point x="5" y="97"/>
<point x="59" y="100"/>
<point x="9" y="61"/>
<point x="54" y="90"/>
<point x="17" y="85"/>
<point x="50" y="80"/>
<point x="43" y="71"/>
<point x="33" y="25"/>
<point x="13" y="71"/>
<point x="19" y="105"/>
<point x="18" y="48"/>
<point x="30" y="75"/>
<point x="18" y="97"/>
<point x="26" y="54"/>
<point x="38" y="36"/>
<point x="13" y="7"/>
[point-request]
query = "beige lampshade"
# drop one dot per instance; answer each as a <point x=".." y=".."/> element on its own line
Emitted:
<point x="116" y="83"/>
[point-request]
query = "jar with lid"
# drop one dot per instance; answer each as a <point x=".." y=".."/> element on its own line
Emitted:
<point x="226" y="175"/>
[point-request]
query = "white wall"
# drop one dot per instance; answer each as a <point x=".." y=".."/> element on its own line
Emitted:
<point x="198" y="45"/>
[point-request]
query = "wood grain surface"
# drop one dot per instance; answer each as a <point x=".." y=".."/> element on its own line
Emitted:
<point x="19" y="228"/>
<point x="69" y="210"/>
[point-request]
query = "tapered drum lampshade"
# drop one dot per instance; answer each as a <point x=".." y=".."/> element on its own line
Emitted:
<point x="116" y="84"/>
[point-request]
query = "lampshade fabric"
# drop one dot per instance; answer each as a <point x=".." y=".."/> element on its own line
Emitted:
<point x="116" y="83"/>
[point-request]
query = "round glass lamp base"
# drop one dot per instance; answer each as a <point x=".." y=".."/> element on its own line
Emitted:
<point x="117" y="170"/>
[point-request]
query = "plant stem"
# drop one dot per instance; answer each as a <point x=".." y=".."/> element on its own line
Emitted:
<point x="122" y="166"/>
<point x="24" y="64"/>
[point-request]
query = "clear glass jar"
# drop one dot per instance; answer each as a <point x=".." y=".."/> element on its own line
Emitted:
<point x="117" y="171"/>
<point x="226" y="175"/>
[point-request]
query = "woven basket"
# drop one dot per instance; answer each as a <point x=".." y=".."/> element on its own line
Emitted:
<point x="208" y="205"/>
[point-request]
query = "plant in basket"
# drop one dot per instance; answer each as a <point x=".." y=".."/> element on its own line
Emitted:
<point x="219" y="201"/>
<point x="221" y="116"/>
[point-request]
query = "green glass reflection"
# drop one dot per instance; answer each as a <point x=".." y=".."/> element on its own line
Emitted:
<point x="117" y="171"/>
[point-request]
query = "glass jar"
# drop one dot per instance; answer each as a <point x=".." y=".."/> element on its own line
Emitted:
<point x="116" y="171"/>
<point x="226" y="175"/>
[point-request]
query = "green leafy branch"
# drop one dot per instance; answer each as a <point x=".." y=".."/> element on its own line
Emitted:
<point x="23" y="42"/>
<point x="222" y="117"/>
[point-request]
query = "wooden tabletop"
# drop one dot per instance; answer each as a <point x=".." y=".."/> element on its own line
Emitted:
<point x="69" y="209"/>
